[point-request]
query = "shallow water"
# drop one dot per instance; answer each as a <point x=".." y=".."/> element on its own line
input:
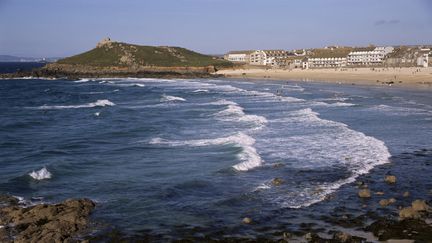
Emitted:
<point x="164" y="156"/>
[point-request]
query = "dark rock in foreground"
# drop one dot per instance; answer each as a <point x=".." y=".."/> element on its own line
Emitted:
<point x="415" y="229"/>
<point x="44" y="223"/>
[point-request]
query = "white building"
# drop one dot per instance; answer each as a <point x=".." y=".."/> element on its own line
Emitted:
<point x="327" y="62"/>
<point x="238" y="56"/>
<point x="423" y="60"/>
<point x="330" y="57"/>
<point x="268" y="57"/>
<point x="368" y="56"/>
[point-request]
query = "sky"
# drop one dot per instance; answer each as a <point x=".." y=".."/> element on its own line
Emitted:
<point x="59" y="28"/>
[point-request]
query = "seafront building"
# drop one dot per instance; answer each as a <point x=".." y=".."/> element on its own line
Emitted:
<point x="369" y="56"/>
<point x="238" y="56"/>
<point x="336" y="57"/>
<point x="405" y="56"/>
<point x="273" y="58"/>
<point x="329" y="57"/>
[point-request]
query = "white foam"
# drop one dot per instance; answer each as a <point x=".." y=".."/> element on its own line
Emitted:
<point x="170" y="98"/>
<point x="41" y="174"/>
<point x="234" y="112"/>
<point x="293" y="88"/>
<point x="342" y="104"/>
<point x="98" y="103"/>
<point x="401" y="111"/>
<point x="331" y="144"/>
<point x="84" y="80"/>
<point x="249" y="157"/>
<point x="222" y="102"/>
<point x="201" y="91"/>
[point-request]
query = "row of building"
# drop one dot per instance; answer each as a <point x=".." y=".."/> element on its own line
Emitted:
<point x="335" y="57"/>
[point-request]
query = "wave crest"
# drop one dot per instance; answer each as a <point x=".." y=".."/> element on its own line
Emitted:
<point x="41" y="174"/>
<point x="98" y="103"/>
<point x="249" y="157"/>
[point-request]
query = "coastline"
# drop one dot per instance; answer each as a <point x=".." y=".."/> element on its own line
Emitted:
<point x="73" y="72"/>
<point x="401" y="77"/>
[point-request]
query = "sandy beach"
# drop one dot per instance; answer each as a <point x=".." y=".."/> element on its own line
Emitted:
<point x="415" y="77"/>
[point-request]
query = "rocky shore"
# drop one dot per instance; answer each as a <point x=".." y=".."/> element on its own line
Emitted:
<point x="63" y="222"/>
<point x="70" y="71"/>
<point x="68" y="221"/>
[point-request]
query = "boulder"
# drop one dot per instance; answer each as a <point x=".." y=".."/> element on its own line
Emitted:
<point x="342" y="237"/>
<point x="364" y="193"/>
<point x="414" y="229"/>
<point x="6" y="200"/>
<point x="420" y="205"/>
<point x="386" y="202"/>
<point x="400" y="241"/>
<point x="277" y="181"/>
<point x="46" y="223"/>
<point x="406" y="194"/>
<point x="390" y="179"/>
<point x="409" y="212"/>
<point x="247" y="220"/>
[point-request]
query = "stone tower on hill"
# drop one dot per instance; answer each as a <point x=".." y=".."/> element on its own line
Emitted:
<point x="103" y="42"/>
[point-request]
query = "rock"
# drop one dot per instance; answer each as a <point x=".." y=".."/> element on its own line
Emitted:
<point x="406" y="194"/>
<point x="386" y="202"/>
<point x="342" y="237"/>
<point x="247" y="220"/>
<point x="47" y="223"/>
<point x="420" y="205"/>
<point x="286" y="235"/>
<point x="277" y="181"/>
<point x="390" y="179"/>
<point x="409" y="212"/>
<point x="400" y="241"/>
<point x="278" y="165"/>
<point x="364" y="193"/>
<point x="105" y="41"/>
<point x="6" y="200"/>
<point x="414" y="229"/>
<point x="379" y="193"/>
<point x="308" y="236"/>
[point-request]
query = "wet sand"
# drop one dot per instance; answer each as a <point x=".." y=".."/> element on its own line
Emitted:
<point x="413" y="77"/>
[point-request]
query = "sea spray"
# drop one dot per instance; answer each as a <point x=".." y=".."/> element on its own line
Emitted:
<point x="41" y="174"/>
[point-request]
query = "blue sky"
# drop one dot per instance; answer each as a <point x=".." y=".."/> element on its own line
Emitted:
<point x="65" y="27"/>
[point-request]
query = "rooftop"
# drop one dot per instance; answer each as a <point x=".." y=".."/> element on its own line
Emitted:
<point x="329" y="53"/>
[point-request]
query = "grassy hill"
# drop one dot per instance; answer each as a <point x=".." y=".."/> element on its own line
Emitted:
<point x="108" y="53"/>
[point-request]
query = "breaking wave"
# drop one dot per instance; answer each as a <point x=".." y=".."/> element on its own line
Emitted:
<point x="332" y="144"/>
<point x="234" y="112"/>
<point x="169" y="98"/>
<point x="98" y="103"/>
<point x="41" y="174"/>
<point x="249" y="157"/>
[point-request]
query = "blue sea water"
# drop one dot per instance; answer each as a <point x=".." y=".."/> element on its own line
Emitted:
<point x="165" y="156"/>
<point x="12" y="67"/>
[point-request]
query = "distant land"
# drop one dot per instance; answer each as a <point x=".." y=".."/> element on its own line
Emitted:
<point x="117" y="59"/>
<point x="9" y="58"/>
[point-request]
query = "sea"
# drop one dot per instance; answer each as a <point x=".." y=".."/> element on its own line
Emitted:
<point x="170" y="158"/>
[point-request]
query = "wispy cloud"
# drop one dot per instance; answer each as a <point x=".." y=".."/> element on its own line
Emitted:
<point x="387" y="22"/>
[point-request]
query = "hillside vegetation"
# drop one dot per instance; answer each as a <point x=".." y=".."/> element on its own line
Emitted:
<point x="108" y="53"/>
